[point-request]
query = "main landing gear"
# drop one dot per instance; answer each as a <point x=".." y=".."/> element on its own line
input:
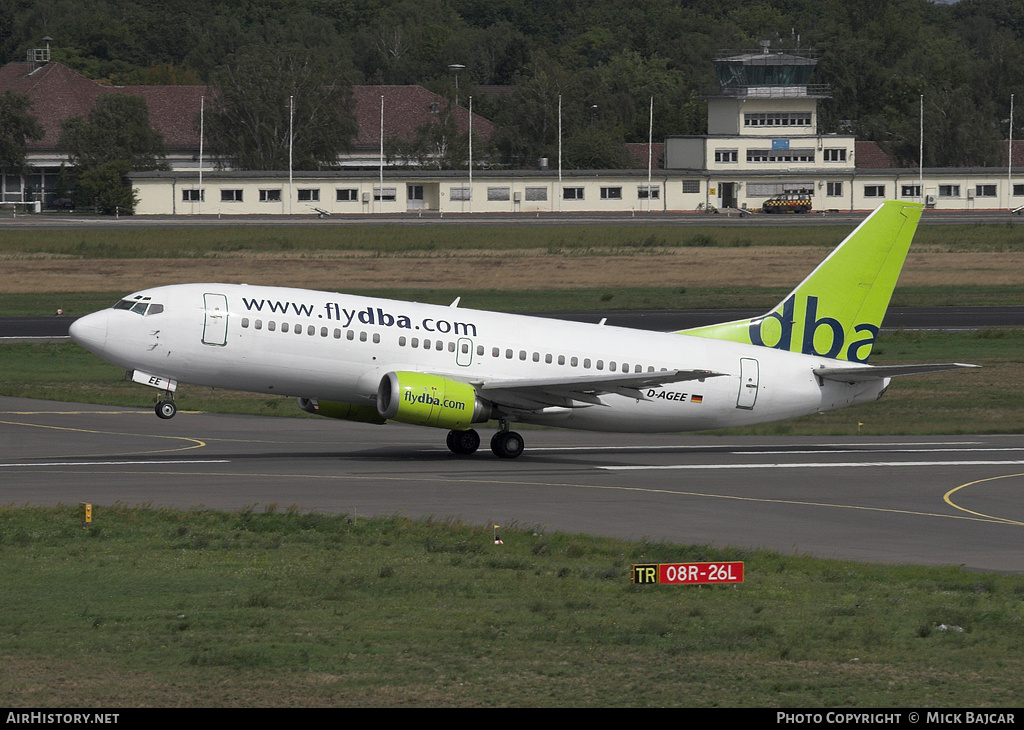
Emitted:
<point x="463" y="442"/>
<point x="505" y="444"/>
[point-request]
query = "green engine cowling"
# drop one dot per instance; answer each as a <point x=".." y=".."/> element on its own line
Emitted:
<point x="343" y="411"/>
<point x="430" y="400"/>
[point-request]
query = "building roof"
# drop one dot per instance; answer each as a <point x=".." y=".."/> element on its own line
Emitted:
<point x="58" y="92"/>
<point x="1018" y="153"/>
<point x="869" y="155"/>
<point x="406" y="109"/>
<point x="638" y="154"/>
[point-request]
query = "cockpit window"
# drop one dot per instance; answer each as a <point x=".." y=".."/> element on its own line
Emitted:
<point x="140" y="305"/>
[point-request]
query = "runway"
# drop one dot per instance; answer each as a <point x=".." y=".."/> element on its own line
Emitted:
<point x="928" y="500"/>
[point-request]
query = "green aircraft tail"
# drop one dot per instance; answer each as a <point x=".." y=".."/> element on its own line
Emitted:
<point x="836" y="312"/>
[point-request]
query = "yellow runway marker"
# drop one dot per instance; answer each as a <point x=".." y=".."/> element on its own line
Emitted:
<point x="196" y="443"/>
<point x="947" y="497"/>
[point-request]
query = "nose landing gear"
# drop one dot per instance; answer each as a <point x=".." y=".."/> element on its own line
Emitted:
<point x="165" y="408"/>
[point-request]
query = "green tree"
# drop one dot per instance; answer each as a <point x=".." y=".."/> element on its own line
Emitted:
<point x="104" y="186"/>
<point x="116" y="138"/>
<point x="438" y="145"/>
<point x="17" y="126"/>
<point x="249" y="121"/>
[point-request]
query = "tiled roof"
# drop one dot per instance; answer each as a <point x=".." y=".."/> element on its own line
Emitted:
<point x="173" y="110"/>
<point x="638" y="155"/>
<point x="871" y="156"/>
<point x="868" y="155"/>
<point x="1018" y="153"/>
<point x="406" y="108"/>
<point x="57" y="92"/>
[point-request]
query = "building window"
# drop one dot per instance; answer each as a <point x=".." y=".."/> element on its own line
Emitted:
<point x="536" y="193"/>
<point x="691" y="186"/>
<point x="344" y="195"/>
<point x="611" y="193"/>
<point x="309" y="195"/>
<point x="1018" y="190"/>
<point x="837" y="154"/>
<point x="270" y="196"/>
<point x="643" y="192"/>
<point x="874" y="191"/>
<point x="385" y="193"/>
<point x="910" y="191"/>
<point x="572" y="193"/>
<point x="231" y="196"/>
<point x="985" y="191"/>
<point x="949" y="191"/>
<point x="794" y="155"/>
<point x="764" y="190"/>
<point x="193" y="196"/>
<point x="778" y="119"/>
<point x="727" y="156"/>
<point x="498" y="193"/>
<point x="459" y="193"/>
<point x="834" y="189"/>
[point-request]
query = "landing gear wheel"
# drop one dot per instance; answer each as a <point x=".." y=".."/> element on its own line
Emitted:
<point x="507" y="444"/>
<point x="166" y="409"/>
<point x="463" y="442"/>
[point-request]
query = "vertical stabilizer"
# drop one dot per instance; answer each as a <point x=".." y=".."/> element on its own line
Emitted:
<point x="836" y="312"/>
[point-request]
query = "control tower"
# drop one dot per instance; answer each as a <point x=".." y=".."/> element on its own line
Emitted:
<point x="763" y="138"/>
<point x="759" y="89"/>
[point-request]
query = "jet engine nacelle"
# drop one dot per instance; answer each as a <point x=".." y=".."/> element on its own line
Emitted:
<point x="343" y="411"/>
<point x="430" y="400"/>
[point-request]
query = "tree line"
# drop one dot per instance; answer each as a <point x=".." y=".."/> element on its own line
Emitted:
<point x="605" y="60"/>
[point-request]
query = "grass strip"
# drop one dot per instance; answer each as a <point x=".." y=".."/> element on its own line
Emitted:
<point x="193" y="242"/>
<point x="559" y="299"/>
<point x="276" y="607"/>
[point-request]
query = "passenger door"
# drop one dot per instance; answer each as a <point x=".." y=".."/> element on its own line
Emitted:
<point x="215" y="322"/>
<point x="747" y="395"/>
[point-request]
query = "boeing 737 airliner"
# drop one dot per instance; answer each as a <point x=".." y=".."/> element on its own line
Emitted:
<point x="375" y="360"/>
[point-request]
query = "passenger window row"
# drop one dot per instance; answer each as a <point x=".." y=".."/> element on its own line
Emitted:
<point x="427" y="343"/>
<point x="310" y="330"/>
<point x="510" y="354"/>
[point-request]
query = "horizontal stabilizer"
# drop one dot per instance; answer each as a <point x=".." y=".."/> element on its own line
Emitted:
<point x="868" y="372"/>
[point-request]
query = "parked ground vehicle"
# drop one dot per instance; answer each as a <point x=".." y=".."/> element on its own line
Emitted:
<point x="788" y="203"/>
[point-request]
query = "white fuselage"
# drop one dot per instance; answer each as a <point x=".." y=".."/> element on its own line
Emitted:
<point x="337" y="347"/>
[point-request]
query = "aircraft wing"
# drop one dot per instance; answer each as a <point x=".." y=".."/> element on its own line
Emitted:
<point x="869" y="372"/>
<point x="534" y="394"/>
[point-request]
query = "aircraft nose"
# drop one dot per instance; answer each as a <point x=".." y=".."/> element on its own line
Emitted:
<point x="90" y="331"/>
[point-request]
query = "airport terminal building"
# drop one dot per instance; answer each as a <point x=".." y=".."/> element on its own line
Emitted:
<point x="762" y="141"/>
